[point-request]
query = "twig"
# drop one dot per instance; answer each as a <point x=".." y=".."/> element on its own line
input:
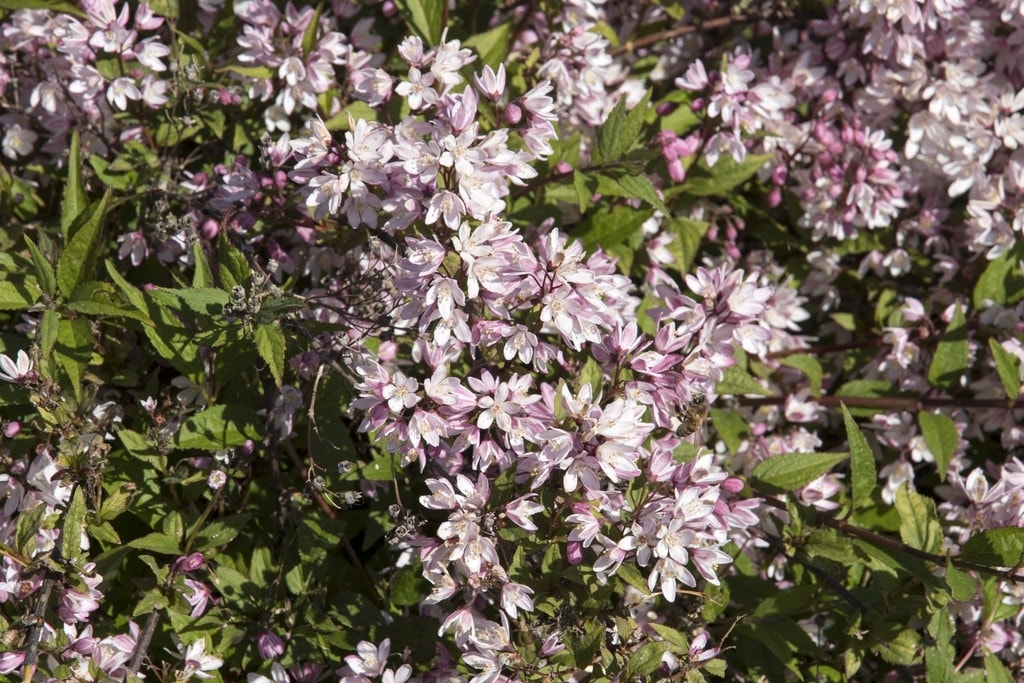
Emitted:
<point x="892" y="544"/>
<point x="145" y="636"/>
<point x="892" y="402"/>
<point x="708" y="25"/>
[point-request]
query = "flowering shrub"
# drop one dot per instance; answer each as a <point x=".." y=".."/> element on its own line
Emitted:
<point x="528" y="342"/>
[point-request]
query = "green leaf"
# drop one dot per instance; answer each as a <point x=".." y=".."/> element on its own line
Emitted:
<point x="901" y="649"/>
<point x="645" y="660"/>
<point x="962" y="585"/>
<point x="44" y="270"/>
<point x="218" y="427"/>
<point x="808" y="365"/>
<point x="71" y="528"/>
<point x="220" y="532"/>
<point x="591" y="374"/>
<point x="629" y="573"/>
<point x="940" y="436"/>
<point x="688" y="233"/>
<point x="726" y="175"/>
<point x="270" y="343"/>
<point x="952" y="354"/>
<point x="996" y="671"/>
<point x="632" y="186"/>
<point x="585" y="650"/>
<point x="49" y="326"/>
<point x="408" y="588"/>
<point x="157" y="543"/>
<point x="1002" y="279"/>
<point x="423" y="17"/>
<point x="862" y="463"/>
<point x="585" y="187"/>
<point x="29" y="523"/>
<point x="116" y="503"/>
<point x="736" y="381"/>
<point x="615" y="225"/>
<point x="202" y="278"/>
<point x="78" y="260"/>
<point x="621" y="131"/>
<point x="208" y="301"/>
<point x="790" y="471"/>
<point x="311" y="34"/>
<point x="919" y="523"/>
<point x="492" y="45"/>
<point x="1008" y="367"/>
<point x="152" y="601"/>
<point x="234" y="269"/>
<point x="74" y="201"/>
<point x="134" y="296"/>
<point x="73" y="351"/>
<point x="15" y="296"/>
<point x="731" y="427"/>
<point x="1000" y="547"/>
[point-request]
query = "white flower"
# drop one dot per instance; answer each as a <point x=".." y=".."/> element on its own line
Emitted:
<point x="15" y="372"/>
<point x="196" y="662"/>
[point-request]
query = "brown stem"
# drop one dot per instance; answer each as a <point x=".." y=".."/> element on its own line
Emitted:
<point x="708" y="25"/>
<point x="35" y="631"/>
<point x="145" y="636"/>
<point x="892" y="544"/>
<point x="827" y="348"/>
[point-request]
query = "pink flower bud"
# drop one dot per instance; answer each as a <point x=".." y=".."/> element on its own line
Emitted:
<point x="188" y="563"/>
<point x="12" y="429"/>
<point x="269" y="645"/>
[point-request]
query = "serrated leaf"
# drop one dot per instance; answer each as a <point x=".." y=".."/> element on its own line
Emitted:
<point x="585" y="649"/>
<point x="724" y="176"/>
<point x="613" y="226"/>
<point x="962" y="585"/>
<point x="234" y="269"/>
<point x="491" y="45"/>
<point x="78" y="260"/>
<point x="202" y="277"/>
<point x="270" y="343"/>
<point x="74" y="200"/>
<point x="220" y="532"/>
<point x="862" y="463"/>
<point x="940" y="435"/>
<point x="1000" y="547"/>
<point x="808" y="365"/>
<point x="996" y="671"/>
<point x="208" y="300"/>
<point x="152" y="601"/>
<point x="900" y="649"/>
<point x="1001" y="280"/>
<point x="29" y="523"/>
<point x="919" y="522"/>
<point x="645" y="660"/>
<point x="72" y="525"/>
<point x="737" y="382"/>
<point x="640" y="187"/>
<point x="630" y="574"/>
<point x="1008" y="368"/>
<point x="790" y="471"/>
<point x="44" y="269"/>
<point x="585" y="186"/>
<point x="117" y="502"/>
<point x="952" y="354"/>
<point x="73" y="350"/>
<point x="423" y="17"/>
<point x="157" y="543"/>
<point x="620" y="132"/>
<point x="134" y="296"/>
<point x="407" y="588"/>
<point x="309" y="37"/>
<point x="221" y="426"/>
<point x="15" y="296"/>
<point x="688" y="234"/>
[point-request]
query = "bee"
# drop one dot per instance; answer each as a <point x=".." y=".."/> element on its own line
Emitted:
<point x="693" y="415"/>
